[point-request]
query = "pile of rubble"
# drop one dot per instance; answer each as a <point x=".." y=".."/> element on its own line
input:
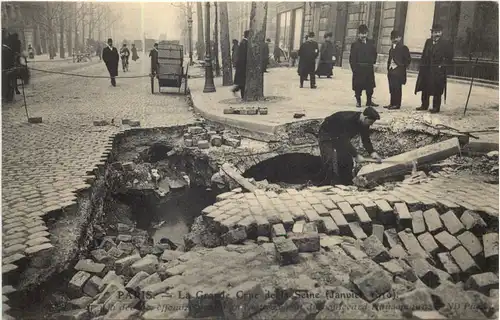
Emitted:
<point x="204" y="138"/>
<point x="246" y="110"/>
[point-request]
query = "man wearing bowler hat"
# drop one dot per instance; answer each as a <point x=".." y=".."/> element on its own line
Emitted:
<point x="398" y="62"/>
<point x="436" y="57"/>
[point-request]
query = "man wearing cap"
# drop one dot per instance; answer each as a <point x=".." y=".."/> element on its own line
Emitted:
<point x="111" y="58"/>
<point x="431" y="80"/>
<point x="362" y="58"/>
<point x="308" y="53"/>
<point x="398" y="62"/>
<point x="153" y="54"/>
<point x="335" y="134"/>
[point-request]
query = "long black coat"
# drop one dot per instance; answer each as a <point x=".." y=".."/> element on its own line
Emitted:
<point x="401" y="56"/>
<point x="362" y="58"/>
<point x="308" y="53"/>
<point x="325" y="66"/>
<point x="111" y="59"/>
<point x="432" y="73"/>
<point x="153" y="54"/>
<point x="240" y="76"/>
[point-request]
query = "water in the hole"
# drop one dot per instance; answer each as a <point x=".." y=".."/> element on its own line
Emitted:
<point x="173" y="218"/>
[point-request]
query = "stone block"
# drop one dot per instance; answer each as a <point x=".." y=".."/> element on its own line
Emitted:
<point x="101" y="256"/>
<point x="449" y="264"/>
<point x="328" y="226"/>
<point x="286" y="250"/>
<point x="490" y="244"/>
<point x="472" y="221"/>
<point x="306" y="242"/>
<point x="261" y="240"/>
<point x="234" y="236"/>
<point x="362" y="215"/>
<point x="216" y="141"/>
<point x="298" y="226"/>
<point x="452" y="223"/>
<point x="446" y="240"/>
<point x="278" y="230"/>
<point x="433" y="221"/>
<point x="328" y="242"/>
<point x="243" y="301"/>
<point x="124" y="237"/>
<point x="145" y="283"/>
<point x="203" y="144"/>
<point x="235" y="143"/>
<point x="81" y="303"/>
<point x="391" y="238"/>
<point x="402" y="214"/>
<point x="92" y="286"/>
<point x="375" y="249"/>
<point x="378" y="231"/>
<point x="116" y="253"/>
<point x="134" y="123"/>
<point x="428" y="243"/>
<point x="464" y="260"/>
<point x="111" y="277"/>
<point x="471" y="243"/>
<point x="188" y="142"/>
<point x="133" y="284"/>
<point x="208" y="304"/>
<point x="372" y="285"/>
<point x="161" y="287"/>
<point x="123" y="265"/>
<point x="310" y="227"/>
<point x="340" y="221"/>
<point x="263" y="111"/>
<point x="77" y="282"/>
<point x="263" y="226"/>
<point x="169" y="255"/>
<point x="353" y="252"/>
<point x="147" y="264"/>
<point x="482" y="282"/>
<point x="418" y="223"/>
<point x="424" y="271"/>
<point x="357" y="231"/>
<point x="411" y="243"/>
<point x="398" y="252"/>
<point x="312" y="215"/>
<point x="393" y="267"/>
<point x="347" y="211"/>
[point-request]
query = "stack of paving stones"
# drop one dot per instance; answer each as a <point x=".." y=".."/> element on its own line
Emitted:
<point x="247" y="111"/>
<point x="204" y="138"/>
<point x="297" y="273"/>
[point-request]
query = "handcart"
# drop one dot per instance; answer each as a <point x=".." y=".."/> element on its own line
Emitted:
<point x="170" y="72"/>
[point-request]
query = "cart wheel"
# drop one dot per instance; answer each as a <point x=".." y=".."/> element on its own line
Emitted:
<point x="152" y="85"/>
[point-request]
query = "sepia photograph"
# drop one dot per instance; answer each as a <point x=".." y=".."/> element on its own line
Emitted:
<point x="250" y="160"/>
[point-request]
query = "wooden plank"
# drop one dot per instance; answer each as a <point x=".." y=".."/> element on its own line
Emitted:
<point x="230" y="170"/>
<point x="403" y="163"/>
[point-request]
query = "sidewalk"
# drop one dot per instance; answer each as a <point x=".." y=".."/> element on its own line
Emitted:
<point x="335" y="94"/>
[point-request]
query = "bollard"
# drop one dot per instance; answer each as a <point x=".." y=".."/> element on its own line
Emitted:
<point x="35" y="120"/>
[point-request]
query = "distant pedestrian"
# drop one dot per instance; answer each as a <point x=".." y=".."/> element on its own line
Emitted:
<point x="362" y="59"/>
<point x="265" y="55"/>
<point x="240" y="76"/>
<point x="234" y="52"/>
<point x="308" y="53"/>
<point x="298" y="66"/>
<point x="153" y="54"/>
<point x="398" y="62"/>
<point x="431" y="80"/>
<point x="326" y="57"/>
<point x="111" y="59"/>
<point x="277" y="53"/>
<point x="135" y="57"/>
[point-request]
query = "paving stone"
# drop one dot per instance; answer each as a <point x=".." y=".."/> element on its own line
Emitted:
<point x="110" y="277"/>
<point x="329" y="204"/>
<point x="352" y="200"/>
<point x="328" y="226"/>
<point x="433" y="221"/>
<point x="340" y="221"/>
<point x="306" y="242"/>
<point x="347" y="211"/>
<point x="17" y="248"/>
<point x="38" y="248"/>
<point x="373" y="284"/>
<point x="490" y="244"/>
<point x="312" y="215"/>
<point x="263" y="226"/>
<point x="398" y="252"/>
<point x="310" y="227"/>
<point x="428" y="243"/>
<point x="287" y="220"/>
<point x="362" y="216"/>
<point x="140" y="286"/>
<point x="464" y="260"/>
<point x="15" y="258"/>
<point x="243" y="301"/>
<point x="297" y="213"/>
<point x="91" y="287"/>
<point x="234" y="236"/>
<point x="82" y="302"/>
<point x="278" y="230"/>
<point x="472" y="221"/>
<point x="124" y="237"/>
<point x="411" y="243"/>
<point x="418" y="222"/>
<point x="357" y="231"/>
<point x="321" y="209"/>
<point x="75" y="285"/>
<point x="424" y="271"/>
<point x="391" y="238"/>
<point x="147" y="264"/>
<point x="287" y="251"/>
<point x="169" y="255"/>
<point x="353" y="252"/>
<point x="448" y="263"/>
<point x="402" y="214"/>
<point x="116" y="253"/>
<point x="369" y="206"/>
<point x="123" y="265"/>
<point x="100" y="256"/>
<point x="90" y="266"/>
<point x="298" y="227"/>
<point x="375" y="249"/>
<point x="161" y="287"/>
<point x="107" y="243"/>
<point x="471" y="243"/>
<point x="328" y="242"/>
<point x="378" y="231"/>
<point x="261" y="240"/>
<point x="482" y="282"/>
<point x="446" y="240"/>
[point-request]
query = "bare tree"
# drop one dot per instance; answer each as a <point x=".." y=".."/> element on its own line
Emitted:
<point x="225" y="44"/>
<point x="216" y="42"/>
<point x="45" y="18"/>
<point x="254" y="87"/>
<point x="200" y="44"/>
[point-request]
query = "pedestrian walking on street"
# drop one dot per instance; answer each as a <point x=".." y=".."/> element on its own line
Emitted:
<point x="234" y="52"/>
<point x="124" y="54"/>
<point x="240" y="76"/>
<point x="298" y="65"/>
<point x="398" y="62"/>
<point x="362" y="58"/>
<point x="336" y="149"/>
<point x="265" y="55"/>
<point x="326" y="57"/>
<point x="135" y="57"/>
<point x="308" y="53"/>
<point x="431" y="80"/>
<point x="153" y="54"/>
<point x="111" y="59"/>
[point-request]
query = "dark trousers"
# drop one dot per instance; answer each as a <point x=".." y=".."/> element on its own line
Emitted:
<point x="436" y="101"/>
<point x="369" y="94"/>
<point x="396" y="90"/>
<point x="113" y="81"/>
<point x="265" y="62"/>
<point x="312" y="79"/>
<point x="241" y="89"/>
<point x="337" y="164"/>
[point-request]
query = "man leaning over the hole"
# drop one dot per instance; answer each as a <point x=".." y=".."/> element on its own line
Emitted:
<point x="337" y="151"/>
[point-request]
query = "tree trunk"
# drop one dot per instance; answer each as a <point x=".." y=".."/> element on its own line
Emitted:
<point x="69" y="35"/>
<point x="38" y="41"/>
<point x="50" y="39"/>
<point x="216" y="42"/>
<point x="254" y="85"/>
<point x="61" y="31"/>
<point x="200" y="45"/>
<point x="225" y="46"/>
<point x="75" y="19"/>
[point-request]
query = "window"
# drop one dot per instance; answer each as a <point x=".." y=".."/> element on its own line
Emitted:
<point x="297" y="35"/>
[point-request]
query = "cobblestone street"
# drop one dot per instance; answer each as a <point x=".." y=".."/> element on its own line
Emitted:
<point x="44" y="164"/>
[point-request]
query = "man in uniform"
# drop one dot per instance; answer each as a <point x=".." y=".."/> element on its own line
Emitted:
<point x="111" y="58"/>
<point x="308" y="53"/>
<point x="335" y="134"/>
<point x="362" y="58"/>
<point x="431" y="80"/>
<point x="398" y="62"/>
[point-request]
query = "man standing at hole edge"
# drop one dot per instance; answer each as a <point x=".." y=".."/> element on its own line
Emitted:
<point x="337" y="151"/>
<point x="111" y="58"/>
<point x="362" y="58"/>
<point x="399" y="60"/>
<point x="431" y="80"/>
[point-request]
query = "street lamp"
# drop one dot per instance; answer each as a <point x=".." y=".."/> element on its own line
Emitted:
<point x="209" y="75"/>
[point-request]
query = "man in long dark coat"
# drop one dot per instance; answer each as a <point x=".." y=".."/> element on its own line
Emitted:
<point x="153" y="54"/>
<point x="308" y="53"/>
<point x="337" y="151"/>
<point x="234" y="52"/>
<point x="326" y="60"/>
<point x="240" y="76"/>
<point x="362" y="58"/>
<point x="111" y="58"/>
<point x="398" y="62"/>
<point x="431" y="80"/>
